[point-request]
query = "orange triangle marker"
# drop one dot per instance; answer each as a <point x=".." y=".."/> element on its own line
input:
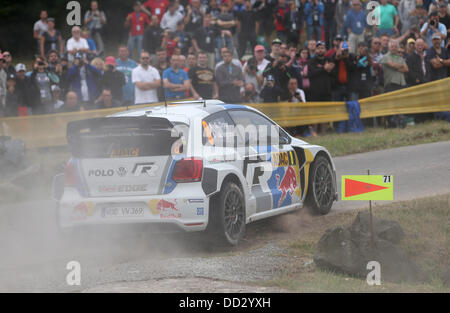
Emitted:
<point x="354" y="188"/>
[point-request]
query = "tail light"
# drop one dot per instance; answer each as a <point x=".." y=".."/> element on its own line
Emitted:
<point x="188" y="170"/>
<point x="70" y="175"/>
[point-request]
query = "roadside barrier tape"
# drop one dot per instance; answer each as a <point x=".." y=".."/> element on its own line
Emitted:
<point x="50" y="130"/>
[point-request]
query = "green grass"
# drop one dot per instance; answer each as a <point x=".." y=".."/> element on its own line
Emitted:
<point x="373" y="139"/>
<point x="426" y="223"/>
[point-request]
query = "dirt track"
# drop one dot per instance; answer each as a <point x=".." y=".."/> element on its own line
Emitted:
<point x="34" y="258"/>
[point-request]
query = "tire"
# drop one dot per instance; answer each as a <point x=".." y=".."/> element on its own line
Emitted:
<point x="321" y="188"/>
<point x="227" y="215"/>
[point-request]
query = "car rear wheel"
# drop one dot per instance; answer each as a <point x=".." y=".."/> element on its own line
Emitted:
<point x="321" y="188"/>
<point x="227" y="215"/>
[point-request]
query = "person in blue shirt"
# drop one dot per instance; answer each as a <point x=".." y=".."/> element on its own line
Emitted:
<point x="314" y="19"/>
<point x="176" y="80"/>
<point x="433" y="26"/>
<point x="355" y="23"/>
<point x="126" y="66"/>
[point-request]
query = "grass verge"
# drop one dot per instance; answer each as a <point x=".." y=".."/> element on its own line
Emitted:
<point x="426" y="223"/>
<point x="373" y="139"/>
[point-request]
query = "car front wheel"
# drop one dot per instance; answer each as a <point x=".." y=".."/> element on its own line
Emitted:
<point x="321" y="188"/>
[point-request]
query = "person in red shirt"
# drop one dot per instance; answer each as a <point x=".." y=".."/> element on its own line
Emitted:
<point x="281" y="17"/>
<point x="137" y="21"/>
<point x="155" y="7"/>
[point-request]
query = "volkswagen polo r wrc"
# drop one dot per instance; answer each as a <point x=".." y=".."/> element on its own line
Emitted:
<point x="197" y="166"/>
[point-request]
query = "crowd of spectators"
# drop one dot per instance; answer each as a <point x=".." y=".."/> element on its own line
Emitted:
<point x="238" y="51"/>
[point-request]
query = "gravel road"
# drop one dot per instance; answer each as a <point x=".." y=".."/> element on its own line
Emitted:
<point x="34" y="258"/>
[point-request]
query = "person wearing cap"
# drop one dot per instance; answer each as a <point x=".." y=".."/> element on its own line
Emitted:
<point x="51" y="39"/>
<point x="437" y="58"/>
<point x="336" y="45"/>
<point x="416" y="62"/>
<point x="76" y="44"/>
<point x="410" y="46"/>
<point x="345" y="65"/>
<point x="259" y="54"/>
<point x="355" y="24"/>
<point x="321" y="76"/>
<point x="21" y="70"/>
<point x="113" y="79"/>
<point x="84" y="78"/>
<point x="431" y="27"/>
<point x="314" y="19"/>
<point x="271" y="93"/>
<point x="361" y="80"/>
<point x="275" y="50"/>
<point x="247" y="28"/>
<point x="12" y="101"/>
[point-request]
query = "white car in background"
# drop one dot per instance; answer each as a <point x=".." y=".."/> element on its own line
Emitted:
<point x="175" y="166"/>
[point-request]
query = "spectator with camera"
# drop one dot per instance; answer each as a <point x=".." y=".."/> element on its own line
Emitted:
<point x="271" y="93"/>
<point x="113" y="79"/>
<point x="251" y="75"/>
<point x="249" y="94"/>
<point x="76" y="44"/>
<point x="83" y="78"/>
<point x="95" y="20"/>
<point x="38" y="88"/>
<point x="295" y="93"/>
<point x="345" y="64"/>
<point x="431" y="27"/>
<point x="361" y="79"/>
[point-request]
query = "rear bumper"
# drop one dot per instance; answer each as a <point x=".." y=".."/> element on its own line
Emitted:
<point x="184" y="211"/>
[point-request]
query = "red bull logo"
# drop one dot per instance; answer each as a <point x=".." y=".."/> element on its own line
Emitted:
<point x="288" y="184"/>
<point x="165" y="209"/>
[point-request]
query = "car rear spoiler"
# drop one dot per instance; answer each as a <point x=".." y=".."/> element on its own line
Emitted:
<point x="76" y="128"/>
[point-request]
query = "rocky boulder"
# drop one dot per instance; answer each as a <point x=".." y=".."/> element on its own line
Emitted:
<point x="349" y="250"/>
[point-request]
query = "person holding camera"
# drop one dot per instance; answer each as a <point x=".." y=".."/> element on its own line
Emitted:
<point x="251" y="75"/>
<point x="95" y="20"/>
<point x="345" y="64"/>
<point x="38" y="87"/>
<point x="271" y="93"/>
<point x="76" y="44"/>
<point x="113" y="79"/>
<point x="83" y="78"/>
<point x="296" y="94"/>
<point x="433" y="26"/>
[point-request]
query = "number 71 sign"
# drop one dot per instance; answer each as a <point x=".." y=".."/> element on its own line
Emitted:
<point x="367" y="187"/>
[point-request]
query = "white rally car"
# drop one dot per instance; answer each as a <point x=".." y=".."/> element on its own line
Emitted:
<point x="194" y="165"/>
